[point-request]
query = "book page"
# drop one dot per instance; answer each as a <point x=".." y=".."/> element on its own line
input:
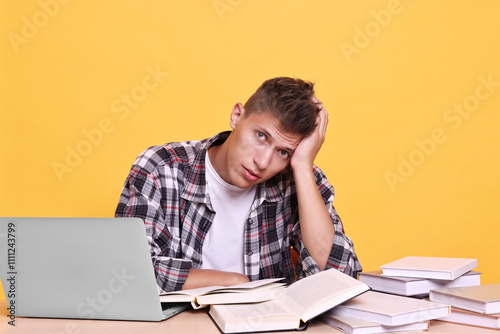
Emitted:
<point x="240" y="318"/>
<point x="253" y="312"/>
<point x="250" y="289"/>
<point x="258" y="294"/>
<point x="185" y="295"/>
<point x="249" y="285"/>
<point x="233" y="288"/>
<point x="311" y="291"/>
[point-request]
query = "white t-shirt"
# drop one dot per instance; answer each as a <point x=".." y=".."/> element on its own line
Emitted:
<point x="223" y="245"/>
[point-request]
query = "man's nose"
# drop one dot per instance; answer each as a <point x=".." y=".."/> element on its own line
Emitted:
<point x="263" y="158"/>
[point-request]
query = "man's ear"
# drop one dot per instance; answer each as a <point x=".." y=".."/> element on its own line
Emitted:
<point x="236" y="114"/>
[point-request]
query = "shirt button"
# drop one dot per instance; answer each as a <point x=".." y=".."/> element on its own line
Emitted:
<point x="250" y="253"/>
<point x="250" y="221"/>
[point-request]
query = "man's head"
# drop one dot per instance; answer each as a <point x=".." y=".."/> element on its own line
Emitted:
<point x="290" y="101"/>
<point x="266" y="131"/>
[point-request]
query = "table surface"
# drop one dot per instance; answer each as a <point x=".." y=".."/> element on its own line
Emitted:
<point x="187" y="322"/>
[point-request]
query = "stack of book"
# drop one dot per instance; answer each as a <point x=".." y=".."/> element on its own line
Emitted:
<point x="391" y="306"/>
<point x="377" y="312"/>
<point x="446" y="280"/>
<point x="473" y="305"/>
<point x="416" y="276"/>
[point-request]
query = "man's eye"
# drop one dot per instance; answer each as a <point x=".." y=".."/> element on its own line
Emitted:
<point x="284" y="154"/>
<point x="260" y="135"/>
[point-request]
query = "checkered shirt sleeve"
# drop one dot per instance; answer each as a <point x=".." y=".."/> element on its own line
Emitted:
<point x="147" y="196"/>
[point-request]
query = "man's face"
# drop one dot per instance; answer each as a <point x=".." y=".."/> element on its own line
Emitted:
<point x="257" y="149"/>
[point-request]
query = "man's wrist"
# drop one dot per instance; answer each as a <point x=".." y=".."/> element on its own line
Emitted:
<point x="302" y="169"/>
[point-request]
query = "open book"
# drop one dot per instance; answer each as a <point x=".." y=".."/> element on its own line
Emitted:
<point x="250" y="292"/>
<point x="297" y="304"/>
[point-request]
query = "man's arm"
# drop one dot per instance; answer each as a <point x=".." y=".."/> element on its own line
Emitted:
<point x="141" y="198"/>
<point x="198" y="278"/>
<point x="316" y="226"/>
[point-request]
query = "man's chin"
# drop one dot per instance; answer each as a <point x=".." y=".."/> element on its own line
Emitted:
<point x="246" y="184"/>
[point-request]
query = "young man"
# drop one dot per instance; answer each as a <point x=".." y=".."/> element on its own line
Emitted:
<point x="227" y="209"/>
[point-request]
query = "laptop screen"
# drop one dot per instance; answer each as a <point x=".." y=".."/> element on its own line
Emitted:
<point x="94" y="268"/>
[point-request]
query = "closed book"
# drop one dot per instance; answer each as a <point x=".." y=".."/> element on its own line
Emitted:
<point x="249" y="292"/>
<point x="357" y="326"/>
<point x="445" y="268"/>
<point x="391" y="310"/>
<point x="460" y="316"/>
<point x="482" y="298"/>
<point x="300" y="302"/>
<point x="414" y="286"/>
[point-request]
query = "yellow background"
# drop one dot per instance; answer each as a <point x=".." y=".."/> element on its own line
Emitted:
<point x="390" y="73"/>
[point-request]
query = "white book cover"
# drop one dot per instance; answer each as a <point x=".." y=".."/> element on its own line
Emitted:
<point x="445" y="268"/>
<point x="358" y="326"/>
<point x="460" y="316"/>
<point x="482" y="298"/>
<point x="414" y="286"/>
<point x="391" y="310"/>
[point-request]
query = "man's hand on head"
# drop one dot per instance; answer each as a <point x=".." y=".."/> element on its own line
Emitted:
<point x="308" y="148"/>
<point x="317" y="229"/>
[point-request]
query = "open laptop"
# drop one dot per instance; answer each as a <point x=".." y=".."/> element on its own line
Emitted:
<point x="89" y="268"/>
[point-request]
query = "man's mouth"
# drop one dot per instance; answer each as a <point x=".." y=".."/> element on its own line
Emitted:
<point x="250" y="175"/>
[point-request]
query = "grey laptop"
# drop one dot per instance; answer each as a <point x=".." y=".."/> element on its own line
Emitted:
<point x="90" y="268"/>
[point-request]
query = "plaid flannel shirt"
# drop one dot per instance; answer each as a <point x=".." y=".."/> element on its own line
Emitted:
<point x="166" y="187"/>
